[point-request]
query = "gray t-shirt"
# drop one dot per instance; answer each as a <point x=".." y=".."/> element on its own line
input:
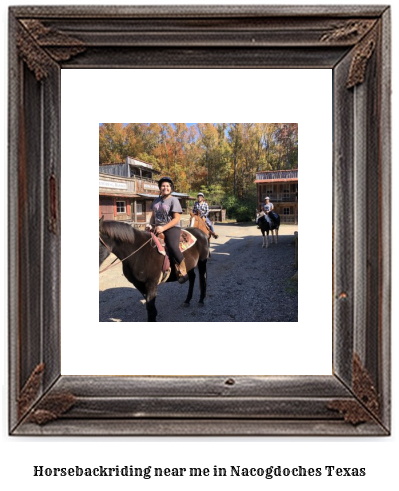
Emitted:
<point x="164" y="209"/>
<point x="268" y="207"/>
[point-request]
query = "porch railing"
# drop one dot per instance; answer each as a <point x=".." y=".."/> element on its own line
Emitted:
<point x="289" y="219"/>
<point x="281" y="197"/>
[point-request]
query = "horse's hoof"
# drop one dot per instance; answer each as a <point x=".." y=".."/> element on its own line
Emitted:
<point x="186" y="304"/>
<point x="201" y="304"/>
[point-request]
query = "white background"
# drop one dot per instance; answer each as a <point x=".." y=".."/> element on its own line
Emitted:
<point x="90" y="347"/>
<point x="378" y="455"/>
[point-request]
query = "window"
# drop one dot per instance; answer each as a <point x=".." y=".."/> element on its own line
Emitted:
<point x="139" y="208"/>
<point x="286" y="193"/>
<point x="121" y="207"/>
<point x="286" y="211"/>
<point x="134" y="172"/>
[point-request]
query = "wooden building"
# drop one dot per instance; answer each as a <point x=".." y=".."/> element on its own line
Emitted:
<point x="282" y="188"/>
<point x="126" y="199"/>
<point x="217" y="213"/>
<point x="132" y="167"/>
<point x="127" y="191"/>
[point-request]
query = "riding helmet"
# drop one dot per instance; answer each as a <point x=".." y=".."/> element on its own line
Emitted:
<point x="267" y="197"/>
<point x="166" y="179"/>
<point x="200" y="194"/>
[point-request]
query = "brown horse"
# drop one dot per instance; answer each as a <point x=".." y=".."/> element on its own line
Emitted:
<point x="198" y="222"/>
<point x="142" y="263"/>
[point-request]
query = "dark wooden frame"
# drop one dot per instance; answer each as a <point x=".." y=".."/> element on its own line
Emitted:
<point x="352" y="41"/>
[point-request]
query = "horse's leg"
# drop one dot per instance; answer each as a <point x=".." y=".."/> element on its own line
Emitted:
<point x="202" y="280"/>
<point x="191" y="277"/>
<point x="264" y="239"/>
<point x="150" y="297"/>
<point x="276" y="235"/>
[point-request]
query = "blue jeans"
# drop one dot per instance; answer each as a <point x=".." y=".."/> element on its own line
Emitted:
<point x="209" y="224"/>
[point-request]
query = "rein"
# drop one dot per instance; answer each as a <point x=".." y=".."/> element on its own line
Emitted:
<point x="117" y="259"/>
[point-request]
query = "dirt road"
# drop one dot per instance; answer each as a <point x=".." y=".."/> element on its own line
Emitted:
<point x="246" y="283"/>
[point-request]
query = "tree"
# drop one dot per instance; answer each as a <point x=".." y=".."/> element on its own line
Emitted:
<point x="235" y="136"/>
<point x="111" y="143"/>
<point x="216" y="157"/>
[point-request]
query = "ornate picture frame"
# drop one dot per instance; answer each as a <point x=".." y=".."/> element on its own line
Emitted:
<point x="353" y="42"/>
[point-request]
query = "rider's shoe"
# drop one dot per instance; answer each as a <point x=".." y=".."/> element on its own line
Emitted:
<point x="181" y="271"/>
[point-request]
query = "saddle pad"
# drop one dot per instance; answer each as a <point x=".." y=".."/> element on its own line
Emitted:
<point x="187" y="240"/>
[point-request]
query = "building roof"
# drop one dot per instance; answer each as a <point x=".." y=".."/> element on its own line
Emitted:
<point x="181" y="195"/>
<point x="152" y="196"/>
<point x="131" y="161"/>
<point x="138" y="163"/>
<point x="118" y="195"/>
<point x="288" y="175"/>
<point x="276" y="180"/>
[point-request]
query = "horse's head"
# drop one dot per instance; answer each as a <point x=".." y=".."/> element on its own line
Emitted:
<point x="260" y="216"/>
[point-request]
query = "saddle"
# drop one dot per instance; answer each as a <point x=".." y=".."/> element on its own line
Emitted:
<point x="187" y="240"/>
<point x="262" y="215"/>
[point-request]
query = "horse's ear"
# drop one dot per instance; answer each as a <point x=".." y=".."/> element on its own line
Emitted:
<point x="101" y="222"/>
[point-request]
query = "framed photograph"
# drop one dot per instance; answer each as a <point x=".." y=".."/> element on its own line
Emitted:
<point x="353" y="44"/>
<point x="214" y="169"/>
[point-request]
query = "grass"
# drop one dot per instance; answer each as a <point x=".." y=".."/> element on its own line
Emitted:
<point x="292" y="284"/>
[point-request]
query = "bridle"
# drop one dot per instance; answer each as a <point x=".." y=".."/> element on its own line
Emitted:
<point x="114" y="262"/>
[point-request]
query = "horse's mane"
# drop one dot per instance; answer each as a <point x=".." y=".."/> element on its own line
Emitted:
<point x="118" y="231"/>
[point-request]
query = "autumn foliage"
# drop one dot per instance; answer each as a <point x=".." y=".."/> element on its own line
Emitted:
<point x="222" y="156"/>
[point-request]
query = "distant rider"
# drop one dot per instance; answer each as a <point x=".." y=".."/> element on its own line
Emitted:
<point x="268" y="211"/>
<point x="202" y="208"/>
